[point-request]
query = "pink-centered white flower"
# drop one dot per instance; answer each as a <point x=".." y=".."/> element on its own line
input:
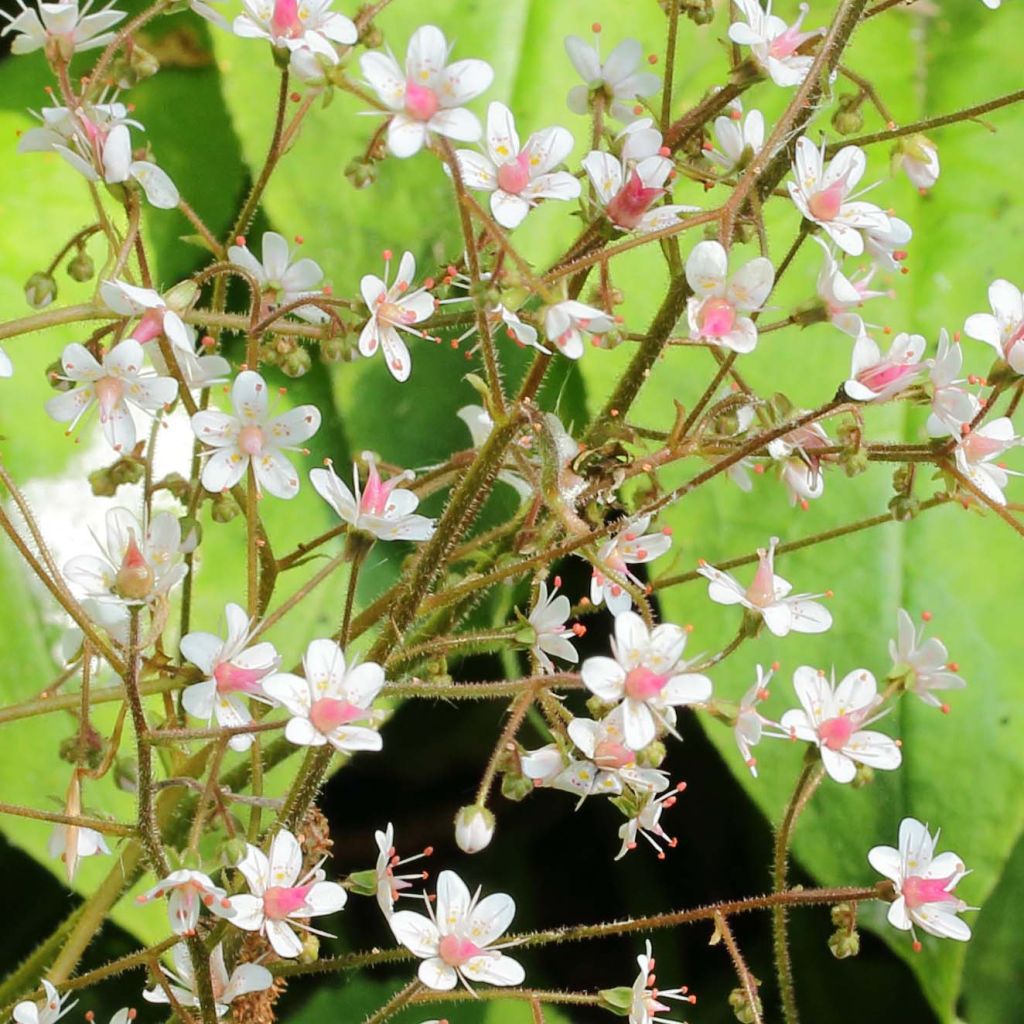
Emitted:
<point x="428" y="97"/>
<point x="112" y="387"/>
<point x="186" y="891"/>
<point x="645" y="1004"/>
<point x="617" y="82"/>
<point x="233" y="670"/>
<point x="297" y="25"/>
<point x="774" y="44"/>
<point x="631" y="546"/>
<point x="952" y="406"/>
<point x="458" y="941"/>
<point x="740" y="138"/>
<point x="1003" y="328"/>
<point x="330" y="701"/>
<point x="244" y="979"/>
<point x="923" y="666"/>
<point x="279" y="900"/>
<point x="390" y="886"/>
<point x="919" y="159"/>
<point x="976" y="451"/>
<point x="549" y="767"/>
<point x="381" y="508"/>
<point x="833" y="718"/>
<point x="281" y="279"/>
<point x="139" y="564"/>
<point x="516" y="176"/>
<point x="769" y="596"/>
<point x="394" y="307"/>
<point x="60" y="29"/>
<point x="253" y="437"/>
<point x="566" y="322"/>
<point x="842" y="295"/>
<point x="548" y="618"/>
<point x="646" y="823"/>
<point x="54" y="1007"/>
<point x="603" y="743"/>
<point x="823" y="194"/>
<point x="924" y="884"/>
<point x="800" y="462"/>
<point x="646" y="676"/>
<point x="715" y="310"/>
<point x="874" y="377"/>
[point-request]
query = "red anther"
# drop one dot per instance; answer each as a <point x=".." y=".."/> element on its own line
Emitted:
<point x="613" y="412"/>
<point x="451" y="270"/>
<point x="680" y="786"/>
<point x="916" y="946"/>
<point x="667" y="531"/>
<point x="664" y="151"/>
<point x="887" y="330"/>
<point x="90" y="1016"/>
<point x="954" y="666"/>
<point x="619" y="319"/>
<point x="207" y="341"/>
<point x="631" y="846"/>
<point x="455" y="342"/>
<point x="648" y="590"/>
<point x="557" y="582"/>
<point x="652" y="58"/>
<point x="638" y="109"/>
<point x="956" y="336"/>
<point x="295" y="97"/>
<point x="688" y="627"/>
<point x="629" y="536"/>
<point x="596" y="27"/>
<point x="926" y="616"/>
<point x="759" y="468"/>
<point x="763" y="694"/>
<point x="775" y="666"/>
<point x="736" y="115"/>
<point x="240" y="240"/>
<point x="899" y="743"/>
<point x="299" y="239"/>
<point x="830" y="593"/>
<point x="584" y="602"/>
<point x="673" y="842"/>
<point x="387" y="254"/>
<point x="707" y="147"/>
<point x="579" y="629"/>
<point x="282" y="391"/>
<point x="661" y="855"/>
<point x="965" y="429"/>
<point x="944" y="708"/>
<point x="428" y="283"/>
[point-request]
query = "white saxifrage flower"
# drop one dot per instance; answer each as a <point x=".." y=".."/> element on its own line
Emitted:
<point x="253" y="437"/>
<point x="618" y="81"/>
<point x="279" y="901"/>
<point x="822" y="194"/>
<point x="281" y="279"/>
<point x="232" y="669"/>
<point x="428" y="97"/>
<point x="394" y="307"/>
<point x="1003" y="328"/>
<point x="548" y="618"/>
<point x="61" y="29"/>
<point x="740" y="138"/>
<point x="111" y="386"/>
<point x="833" y="718"/>
<point x="389" y="885"/>
<point x="381" y="508"/>
<point x="614" y="764"/>
<point x="139" y="563"/>
<point x="631" y="546"/>
<point x="952" y="406"/>
<point x="474" y="828"/>
<point x="874" y="377"/>
<point x="800" y="462"/>
<point x="919" y="159"/>
<point x="326" y="705"/>
<point x="646" y="676"/>
<point x="243" y="980"/>
<point x="842" y="295"/>
<point x="53" y="1008"/>
<point x="769" y="596"/>
<point x="297" y="25"/>
<point x="566" y="322"/>
<point x="458" y="941"/>
<point x="923" y="666"/>
<point x="70" y="843"/>
<point x="975" y="452"/>
<point x="773" y="43"/>
<point x="186" y="891"/>
<point x="645" y="1004"/>
<point x="750" y="725"/>
<point x="715" y="309"/>
<point x="886" y="244"/>
<point x="924" y="884"/>
<point x="646" y="823"/>
<point x="518" y="177"/>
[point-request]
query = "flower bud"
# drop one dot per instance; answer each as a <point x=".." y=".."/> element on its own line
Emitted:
<point x="297" y="363"/>
<point x="40" y="290"/>
<point x="127" y="471"/>
<point x="864" y="777"/>
<point x="310" y="949"/>
<point x="181" y="296"/>
<point x="515" y="786"/>
<point x="618" y="1000"/>
<point x="362" y="173"/>
<point x="700" y="12"/>
<point x="232" y="851"/>
<point x="191" y="534"/>
<point x="126" y="774"/>
<point x="135" y="67"/>
<point x="848" y="118"/>
<point x="81" y="267"/>
<point x="102" y="482"/>
<point x="224" y="508"/>
<point x="844" y="943"/>
<point x="741" y="1006"/>
<point x="474" y="828"/>
<point x="363" y="882"/>
<point x="135" y="578"/>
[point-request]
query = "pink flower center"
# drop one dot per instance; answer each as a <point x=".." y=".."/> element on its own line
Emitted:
<point x="826" y="204"/>
<point x="250" y="440"/>
<point x="632" y="201"/>
<point x="884" y="374"/>
<point x="761" y="591"/>
<point x="135" y="577"/>
<point x="977" y="446"/>
<point x="455" y="951"/>
<point x="376" y="494"/>
<point x="109" y="393"/>
<point x="393" y="313"/>
<point x="285" y="22"/>
<point x="514" y="175"/>
<point x="643" y="684"/>
<point x="234" y="679"/>
<point x="150" y="326"/>
<point x="609" y="754"/>
<point x="281" y="901"/>
<point x="1012" y="340"/>
<point x="835" y="732"/>
<point x="787" y="43"/>
<point x="327" y="714"/>
<point x="421" y="102"/>
<point x="917" y="890"/>
<point x="717" y="318"/>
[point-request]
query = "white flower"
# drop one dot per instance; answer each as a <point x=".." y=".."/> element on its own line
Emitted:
<point x="919" y="158"/>
<point x="714" y="310"/>
<point x="457" y="942"/>
<point x="874" y="377"/>
<point x="394" y="306"/>
<point x="278" y="900"/>
<point x="113" y="385"/>
<point x="613" y="765"/>
<point x="282" y="280"/>
<point x="566" y="322"/>
<point x="952" y="406"/>
<point x="53" y="1008"/>
<point x="833" y="719"/>
<point x="740" y="138"/>
<point x="232" y="670"/>
<point x="1003" y="328"/>
<point x="772" y="42"/>
<point x="646" y="1001"/>
<point x="474" y="828"/>
<point x="111" y="618"/>
<point x="769" y="596"/>
<point x="628" y="186"/>
<point x="185" y="891"/>
<point x="70" y="843"/>
<point x="60" y="28"/>
<point x="332" y="697"/>
<point x="885" y="243"/>
<point x="428" y="97"/>
<point x="975" y="452"/>
<point x="253" y="436"/>
<point x="646" y="823"/>
<point x="749" y="727"/>
<point x="244" y="979"/>
<point x="296" y="25"/>
<point x="548" y="620"/>
<point x="479" y="423"/>
<point x="822" y="194"/>
<point x="389" y="885"/>
<point x="382" y="508"/>
<point x="924" y="883"/>
<point x="800" y="465"/>
<point x="842" y="294"/>
<point x="922" y="665"/>
<point x="631" y="546"/>
<point x="518" y="176"/>
<point x="138" y="565"/>
<point x="617" y="80"/>
<point x="646" y="675"/>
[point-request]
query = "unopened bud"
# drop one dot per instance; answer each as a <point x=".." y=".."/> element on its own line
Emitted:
<point x="224" y="508"/>
<point x="310" y="949"/>
<point x="81" y="267"/>
<point x="372" y="37"/>
<point x="742" y="1008"/>
<point x="232" y="851"/>
<point x="297" y="363"/>
<point x="135" y="67"/>
<point x="474" y="828"/>
<point x="844" y="943"/>
<point x="126" y="774"/>
<point x="700" y="12"/>
<point x="864" y="777"/>
<point x="191" y="535"/>
<point x="515" y="786"/>
<point x="135" y="578"/>
<point x="618" y="1000"/>
<point x="40" y="290"/>
<point x="363" y="882"/>
<point x="362" y="173"/>
<point x="848" y="121"/>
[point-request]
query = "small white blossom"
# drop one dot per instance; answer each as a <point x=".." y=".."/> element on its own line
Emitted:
<point x="618" y="80"/>
<point x="885" y="244"/>
<point x="297" y="26"/>
<point x="70" y="843"/>
<point x="800" y="463"/>
<point x="389" y="885"/>
<point x="61" y="29"/>
<point x="630" y="546"/>
<point x="1003" y="328"/>
<point x="185" y="891"/>
<point x="952" y="406"/>
<point x="874" y="377"/>
<point x="772" y="42"/>
<point x="281" y="279"/>
<point x="842" y="295"/>
<point x="975" y="452"/>
<point x="646" y="1004"/>
<point x="740" y="138"/>
<point x="53" y="1008"/>
<point x="548" y="618"/>
<point x="646" y="823"/>
<point x="750" y="726"/>
<point x="922" y="665"/>
<point x="919" y="159"/>
<point x="566" y="322"/>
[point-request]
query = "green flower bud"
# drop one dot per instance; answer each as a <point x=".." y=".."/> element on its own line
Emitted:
<point x="361" y="173"/>
<point x="40" y="290"/>
<point x="618" y="1000"/>
<point x="297" y="363"/>
<point x="843" y="943"/>
<point x="363" y="882"/>
<point x="232" y="851"/>
<point x="741" y="1005"/>
<point x="81" y="267"/>
<point x="515" y="786"/>
<point x="652" y="755"/>
<point x="224" y="509"/>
